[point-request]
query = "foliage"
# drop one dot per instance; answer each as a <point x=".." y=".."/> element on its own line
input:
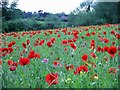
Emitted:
<point x="99" y="13"/>
<point x="30" y="24"/>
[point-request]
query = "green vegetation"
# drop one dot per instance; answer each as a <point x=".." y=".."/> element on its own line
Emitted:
<point x="102" y="69"/>
<point x="88" y="13"/>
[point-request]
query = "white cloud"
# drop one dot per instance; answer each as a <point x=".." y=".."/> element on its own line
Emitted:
<point x="53" y="6"/>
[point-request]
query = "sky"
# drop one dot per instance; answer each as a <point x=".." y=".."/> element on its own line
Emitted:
<point x="52" y="6"/>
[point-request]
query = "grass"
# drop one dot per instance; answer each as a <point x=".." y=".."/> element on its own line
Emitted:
<point x="34" y="74"/>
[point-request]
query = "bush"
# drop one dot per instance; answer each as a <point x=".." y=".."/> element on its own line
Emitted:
<point x="100" y="21"/>
<point x="30" y="24"/>
<point x="16" y="25"/>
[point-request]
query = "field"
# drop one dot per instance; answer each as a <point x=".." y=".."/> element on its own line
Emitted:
<point x="80" y="57"/>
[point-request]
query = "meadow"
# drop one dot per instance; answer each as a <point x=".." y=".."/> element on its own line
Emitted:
<point x="79" y="57"/>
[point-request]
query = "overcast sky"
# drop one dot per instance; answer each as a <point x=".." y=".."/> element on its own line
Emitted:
<point x="52" y="6"/>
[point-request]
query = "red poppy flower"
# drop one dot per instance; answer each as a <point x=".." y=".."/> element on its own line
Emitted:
<point x="56" y="63"/>
<point x="99" y="28"/>
<point x="37" y="55"/>
<point x="74" y="39"/>
<point x="118" y="47"/>
<point x="93" y="54"/>
<point x="73" y="46"/>
<point x="0" y="62"/>
<point x="10" y="49"/>
<point x="50" y="32"/>
<point x="65" y="49"/>
<point x="84" y="57"/>
<point x="112" y="32"/>
<point x="69" y="33"/>
<point x="10" y="45"/>
<point x="93" y="33"/>
<point x="10" y="62"/>
<point x="24" y="45"/>
<point x="24" y="61"/>
<point x="64" y="42"/>
<point x="112" y="70"/>
<point x="58" y="35"/>
<point x="82" y="37"/>
<point x="98" y="48"/>
<point x="113" y="43"/>
<point x="92" y="44"/>
<point x="52" y="79"/>
<point x="105" y="40"/>
<point x="32" y="54"/>
<point x="12" y="68"/>
<point x="41" y="42"/>
<point x="52" y="40"/>
<point x="70" y="40"/>
<point x="104" y="32"/>
<point x="118" y="36"/>
<point x="112" y="51"/>
<point x="69" y="67"/>
<point x="88" y="34"/>
<point x="15" y="64"/>
<point x="105" y="48"/>
<point x="49" y="44"/>
<point x="86" y="29"/>
<point x="75" y="32"/>
<point x="81" y="68"/>
<point x="28" y="41"/>
<point x="13" y="43"/>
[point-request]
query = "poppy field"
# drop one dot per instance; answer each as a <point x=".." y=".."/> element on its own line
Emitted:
<point x="79" y="57"/>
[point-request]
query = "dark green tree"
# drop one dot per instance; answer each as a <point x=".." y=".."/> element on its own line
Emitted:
<point x="10" y="12"/>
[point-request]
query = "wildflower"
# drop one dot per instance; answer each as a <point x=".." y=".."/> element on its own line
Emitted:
<point x="85" y="57"/>
<point x="73" y="46"/>
<point x="24" y="61"/>
<point x="92" y="44"/>
<point x="93" y="55"/>
<point x="105" y="48"/>
<point x="81" y="68"/>
<point x="52" y="78"/>
<point x="56" y="63"/>
<point x="98" y="48"/>
<point x="69" y="67"/>
<point x="12" y="68"/>
<point x="105" y="40"/>
<point x="45" y="60"/>
<point x="64" y="42"/>
<point x="88" y="34"/>
<point x="32" y="54"/>
<point x="112" y="70"/>
<point x="58" y="35"/>
<point x="52" y="40"/>
<point x="10" y="62"/>
<point x="41" y="42"/>
<point x="27" y="41"/>
<point x="24" y="45"/>
<point x="0" y="62"/>
<point x="112" y="51"/>
<point x="49" y="44"/>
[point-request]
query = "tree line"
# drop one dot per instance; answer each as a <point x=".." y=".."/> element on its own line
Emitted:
<point x="88" y="13"/>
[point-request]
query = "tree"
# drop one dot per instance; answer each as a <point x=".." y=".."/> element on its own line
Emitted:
<point x="87" y="5"/>
<point x="10" y="12"/>
<point x="107" y="10"/>
<point x="91" y="12"/>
